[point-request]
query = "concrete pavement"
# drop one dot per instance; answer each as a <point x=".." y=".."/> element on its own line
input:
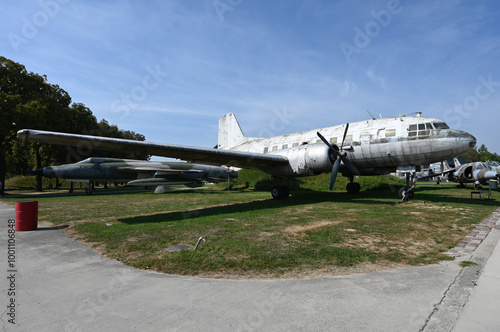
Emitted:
<point x="61" y="285"/>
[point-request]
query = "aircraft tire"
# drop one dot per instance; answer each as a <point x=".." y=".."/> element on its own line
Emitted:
<point x="353" y="187"/>
<point x="406" y="195"/>
<point x="280" y="192"/>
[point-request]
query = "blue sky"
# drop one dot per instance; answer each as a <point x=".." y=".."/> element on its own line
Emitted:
<point x="170" y="69"/>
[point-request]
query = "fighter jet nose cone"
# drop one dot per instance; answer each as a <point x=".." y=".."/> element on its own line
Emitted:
<point x="490" y="175"/>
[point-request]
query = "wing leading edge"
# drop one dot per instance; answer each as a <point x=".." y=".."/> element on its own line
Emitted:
<point x="195" y="154"/>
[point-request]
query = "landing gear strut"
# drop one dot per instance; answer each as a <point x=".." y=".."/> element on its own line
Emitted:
<point x="407" y="193"/>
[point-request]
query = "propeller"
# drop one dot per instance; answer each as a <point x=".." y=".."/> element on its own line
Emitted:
<point x="340" y="156"/>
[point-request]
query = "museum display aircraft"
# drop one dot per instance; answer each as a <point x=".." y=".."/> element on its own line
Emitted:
<point x="478" y="173"/>
<point x="370" y="147"/>
<point x="139" y="172"/>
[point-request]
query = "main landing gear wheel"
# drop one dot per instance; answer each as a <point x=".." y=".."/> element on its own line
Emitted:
<point x="280" y="192"/>
<point x="353" y="187"/>
<point x="406" y="194"/>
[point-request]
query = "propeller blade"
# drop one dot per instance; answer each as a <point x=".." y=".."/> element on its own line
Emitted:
<point x="345" y="134"/>
<point x="332" y="146"/>
<point x="335" y="171"/>
<point x="350" y="165"/>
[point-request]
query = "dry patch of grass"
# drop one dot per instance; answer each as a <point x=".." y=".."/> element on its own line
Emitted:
<point x="299" y="231"/>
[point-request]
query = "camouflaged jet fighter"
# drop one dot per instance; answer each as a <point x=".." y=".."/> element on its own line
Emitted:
<point x="138" y="172"/>
<point x="458" y="171"/>
<point x="370" y="147"/>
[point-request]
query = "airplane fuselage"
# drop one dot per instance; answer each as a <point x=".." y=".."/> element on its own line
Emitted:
<point x="137" y="172"/>
<point x="375" y="146"/>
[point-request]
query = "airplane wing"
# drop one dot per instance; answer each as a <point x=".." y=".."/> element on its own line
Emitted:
<point x="195" y="154"/>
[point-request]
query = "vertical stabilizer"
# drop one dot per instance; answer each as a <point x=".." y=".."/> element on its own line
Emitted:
<point x="230" y="134"/>
<point x="459" y="161"/>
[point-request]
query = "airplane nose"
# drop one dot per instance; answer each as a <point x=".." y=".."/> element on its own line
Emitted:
<point x="468" y="139"/>
<point x="490" y="175"/>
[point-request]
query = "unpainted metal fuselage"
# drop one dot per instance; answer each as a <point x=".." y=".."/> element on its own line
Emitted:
<point x="374" y="146"/>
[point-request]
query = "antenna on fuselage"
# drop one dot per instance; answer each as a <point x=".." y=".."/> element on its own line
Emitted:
<point x="373" y="118"/>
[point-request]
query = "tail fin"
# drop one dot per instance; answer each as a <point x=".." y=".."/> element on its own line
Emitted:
<point x="230" y="134"/>
<point x="459" y="161"/>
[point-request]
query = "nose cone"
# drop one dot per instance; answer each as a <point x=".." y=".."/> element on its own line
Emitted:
<point x="468" y="141"/>
<point x="490" y="175"/>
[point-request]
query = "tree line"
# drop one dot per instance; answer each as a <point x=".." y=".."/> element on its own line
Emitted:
<point x="27" y="100"/>
<point x="480" y="154"/>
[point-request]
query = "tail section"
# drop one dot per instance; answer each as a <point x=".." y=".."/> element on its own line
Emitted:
<point x="230" y="133"/>
<point x="459" y="161"/>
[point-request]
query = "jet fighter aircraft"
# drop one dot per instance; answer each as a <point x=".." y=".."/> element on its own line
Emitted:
<point x="458" y="171"/>
<point x="476" y="172"/>
<point x="139" y="172"/>
<point x="370" y="147"/>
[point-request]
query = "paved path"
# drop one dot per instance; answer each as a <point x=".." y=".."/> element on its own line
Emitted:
<point x="61" y="285"/>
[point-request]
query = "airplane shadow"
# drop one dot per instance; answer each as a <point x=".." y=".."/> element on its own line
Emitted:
<point x="299" y="198"/>
<point x="302" y="197"/>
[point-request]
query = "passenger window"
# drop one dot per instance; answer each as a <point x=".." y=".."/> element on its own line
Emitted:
<point x="285" y="146"/>
<point x="266" y="149"/>
<point x="333" y="140"/>
<point x="390" y="133"/>
<point x="348" y="138"/>
<point x="295" y="144"/>
<point x="275" y="148"/>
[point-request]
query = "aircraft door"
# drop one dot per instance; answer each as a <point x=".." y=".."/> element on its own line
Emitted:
<point x="366" y="153"/>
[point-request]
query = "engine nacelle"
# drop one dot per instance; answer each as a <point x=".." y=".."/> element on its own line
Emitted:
<point x="466" y="174"/>
<point x="307" y="159"/>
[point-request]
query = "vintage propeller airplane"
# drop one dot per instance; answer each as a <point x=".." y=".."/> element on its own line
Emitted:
<point x="138" y="172"/>
<point x="371" y="147"/>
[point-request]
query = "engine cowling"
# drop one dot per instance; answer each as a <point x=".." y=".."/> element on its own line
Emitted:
<point x="308" y="159"/>
<point x="465" y="174"/>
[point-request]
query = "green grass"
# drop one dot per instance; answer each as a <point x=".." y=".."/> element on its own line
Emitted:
<point x="465" y="264"/>
<point x="248" y="234"/>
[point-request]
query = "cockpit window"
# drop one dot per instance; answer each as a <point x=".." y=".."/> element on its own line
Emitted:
<point x="422" y="130"/>
<point x="440" y="125"/>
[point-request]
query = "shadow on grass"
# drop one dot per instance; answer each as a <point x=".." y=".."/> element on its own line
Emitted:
<point x="303" y="197"/>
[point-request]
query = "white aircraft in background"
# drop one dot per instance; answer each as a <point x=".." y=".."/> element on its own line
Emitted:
<point x="370" y="147"/>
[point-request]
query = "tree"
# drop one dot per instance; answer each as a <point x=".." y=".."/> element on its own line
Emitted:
<point x="482" y="149"/>
<point x="19" y="92"/>
<point x="28" y="101"/>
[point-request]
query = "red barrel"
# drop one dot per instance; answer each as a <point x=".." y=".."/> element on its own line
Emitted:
<point x="26" y="217"/>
